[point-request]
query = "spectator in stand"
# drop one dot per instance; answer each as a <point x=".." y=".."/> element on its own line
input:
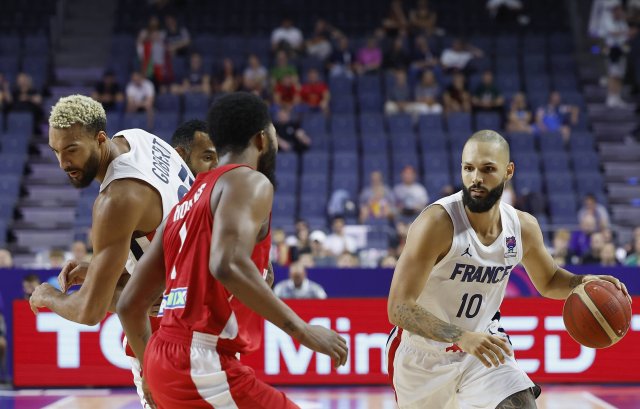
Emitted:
<point x="377" y="208"/>
<point x="342" y="60"/>
<point x="388" y="261"/>
<point x="29" y="284"/>
<point x="321" y="257"/>
<point x="422" y="58"/>
<point x="197" y="80"/>
<point x="153" y="53"/>
<point x="591" y="206"/>
<point x="177" y="37"/>
<point x="283" y="68"/>
<point x="26" y="98"/>
<point x="399" y="98"/>
<point x="519" y="117"/>
<point x="291" y="136"/>
<point x="456" y="97"/>
<point x="315" y="93"/>
<point x="487" y="96"/>
<point x="595" y="248"/>
<point x="280" y="252"/>
<point x="227" y="80"/>
<point x="338" y="242"/>
<point x="397" y="57"/>
<point x="255" y="76"/>
<point x="616" y="36"/>
<point x="581" y="239"/>
<point x="411" y="196"/>
<point x="78" y="252"/>
<point x="319" y="45"/>
<point x="298" y="286"/>
<point x="633" y="259"/>
<point x="396" y="21"/>
<point x="286" y="93"/>
<point x="369" y="57"/>
<point x="428" y="93"/>
<point x="109" y="93"/>
<point x="507" y="12"/>
<point x="375" y="179"/>
<point x="348" y="260"/>
<point x="556" y="117"/>
<point x="560" y="251"/>
<point x="5" y="94"/>
<point x="6" y="260"/>
<point x="422" y="20"/>
<point x="287" y="38"/>
<point x="141" y="96"/>
<point x="398" y="238"/>
<point x="300" y="243"/>
<point x="608" y="255"/>
<point x="457" y="58"/>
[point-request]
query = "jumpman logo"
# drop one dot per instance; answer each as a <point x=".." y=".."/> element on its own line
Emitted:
<point x="466" y="252"/>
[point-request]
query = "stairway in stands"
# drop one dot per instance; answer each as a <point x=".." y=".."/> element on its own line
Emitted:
<point x="51" y="212"/>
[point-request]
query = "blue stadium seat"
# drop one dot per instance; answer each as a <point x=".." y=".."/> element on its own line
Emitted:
<point x="370" y="102"/>
<point x="14" y="144"/>
<point x="507" y="45"/>
<point x="345" y="162"/>
<point x="582" y="142"/>
<point x="591" y="182"/>
<point x="557" y="161"/>
<point x="168" y="102"/>
<point x="313" y="205"/>
<point x="35" y="44"/>
<point x="344" y="142"/>
<point x="374" y="142"/>
<point x="135" y="120"/>
<point x="560" y="44"/>
<point x="585" y="161"/>
<point x="166" y="123"/>
<point x="342" y="104"/>
<point x="371" y="123"/>
<point x="196" y="103"/>
<point x="340" y="86"/>
<point x="509" y="83"/>
<point x="314" y="123"/>
<point x="403" y="142"/>
<point x="369" y="83"/>
<point x="10" y="186"/>
<point x="320" y="141"/>
<point x="526" y="161"/>
<point x="551" y="142"/>
<point x="562" y="209"/>
<point x="400" y="123"/>
<point x="558" y="182"/>
<point x="523" y="142"/>
<point x="287" y="162"/>
<point x="432" y="140"/>
<point x="538" y="82"/>
<point x="400" y="161"/>
<point x="19" y="123"/>
<point x="435" y="161"/>
<point x="534" y="44"/>
<point x="287" y="182"/>
<point x="565" y="82"/>
<point x="488" y="120"/>
<point x="527" y="182"/>
<point x="434" y="182"/>
<point x="314" y="185"/>
<point x="284" y="205"/>
<point x="343" y="124"/>
<point x="459" y="122"/>
<point x="9" y="45"/>
<point x="315" y="163"/>
<point x="375" y="162"/>
<point x="430" y="123"/>
<point x="347" y="181"/>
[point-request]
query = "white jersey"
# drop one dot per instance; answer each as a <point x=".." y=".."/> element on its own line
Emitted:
<point x="155" y="162"/>
<point x="467" y="286"/>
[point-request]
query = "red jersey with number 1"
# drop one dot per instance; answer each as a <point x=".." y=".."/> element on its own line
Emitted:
<point x="194" y="300"/>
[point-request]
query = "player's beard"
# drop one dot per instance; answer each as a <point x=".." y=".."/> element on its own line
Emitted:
<point x="267" y="164"/>
<point x="481" y="204"/>
<point x="88" y="173"/>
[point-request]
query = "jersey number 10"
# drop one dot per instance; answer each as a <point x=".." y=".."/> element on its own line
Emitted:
<point x="471" y="309"/>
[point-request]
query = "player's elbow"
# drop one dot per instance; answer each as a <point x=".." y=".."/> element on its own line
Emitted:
<point x="91" y="317"/>
<point x="392" y="310"/>
<point x="221" y="267"/>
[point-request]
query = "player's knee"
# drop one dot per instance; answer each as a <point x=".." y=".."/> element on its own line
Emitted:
<point x="519" y="400"/>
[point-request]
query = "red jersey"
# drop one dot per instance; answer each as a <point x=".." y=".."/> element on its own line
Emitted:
<point x="312" y="94"/>
<point x="194" y="301"/>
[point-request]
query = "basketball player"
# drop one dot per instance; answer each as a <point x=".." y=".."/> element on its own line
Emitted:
<point x="141" y="178"/>
<point x="194" y="146"/>
<point x="211" y="257"/>
<point x="448" y="350"/>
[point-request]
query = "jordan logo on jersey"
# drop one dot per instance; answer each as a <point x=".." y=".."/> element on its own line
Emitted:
<point x="511" y="247"/>
<point x="466" y="252"/>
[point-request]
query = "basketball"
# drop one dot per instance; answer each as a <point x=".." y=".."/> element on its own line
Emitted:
<point x="597" y="314"/>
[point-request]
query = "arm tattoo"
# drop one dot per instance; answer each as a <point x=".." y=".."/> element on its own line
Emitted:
<point x="420" y="321"/>
<point x="289" y="328"/>
<point x="519" y="400"/>
<point x="575" y="281"/>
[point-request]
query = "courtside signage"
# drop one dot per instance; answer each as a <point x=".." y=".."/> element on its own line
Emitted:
<point x="51" y="351"/>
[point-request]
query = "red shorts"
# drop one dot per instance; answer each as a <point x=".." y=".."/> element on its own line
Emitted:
<point x="187" y="372"/>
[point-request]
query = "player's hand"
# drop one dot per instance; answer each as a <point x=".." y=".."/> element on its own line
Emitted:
<point x="73" y="273"/>
<point x="147" y="394"/>
<point x="325" y="341"/>
<point x="39" y="295"/>
<point x="489" y="349"/>
<point x="619" y="284"/>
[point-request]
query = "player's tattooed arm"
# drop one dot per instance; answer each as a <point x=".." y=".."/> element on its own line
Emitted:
<point x="416" y="319"/>
<point x="270" y="276"/>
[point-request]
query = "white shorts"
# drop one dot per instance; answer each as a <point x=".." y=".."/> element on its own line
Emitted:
<point x="424" y="377"/>
<point x="137" y="380"/>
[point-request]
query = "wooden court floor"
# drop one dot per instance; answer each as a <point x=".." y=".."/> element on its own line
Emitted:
<point x="553" y="397"/>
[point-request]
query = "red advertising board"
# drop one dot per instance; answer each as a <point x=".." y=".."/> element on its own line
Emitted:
<point x="50" y="351"/>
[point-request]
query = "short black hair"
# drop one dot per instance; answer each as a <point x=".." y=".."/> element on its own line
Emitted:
<point x="234" y="119"/>
<point x="183" y="136"/>
<point x="30" y="278"/>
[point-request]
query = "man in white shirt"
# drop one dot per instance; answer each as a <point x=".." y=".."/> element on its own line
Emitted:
<point x="298" y="285"/>
<point x="411" y="196"/>
<point x="140" y="96"/>
<point x="338" y="242"/>
<point x="458" y="56"/>
<point x="287" y="37"/>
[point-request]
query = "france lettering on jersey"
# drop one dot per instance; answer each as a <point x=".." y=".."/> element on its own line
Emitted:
<point x="467" y="286"/>
<point x="155" y="162"/>
<point x="194" y="301"/>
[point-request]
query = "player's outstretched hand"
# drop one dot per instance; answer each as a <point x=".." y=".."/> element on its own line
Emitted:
<point x="73" y="273"/>
<point x="147" y="394"/>
<point x="325" y="341"/>
<point x="619" y="284"/>
<point x="489" y="349"/>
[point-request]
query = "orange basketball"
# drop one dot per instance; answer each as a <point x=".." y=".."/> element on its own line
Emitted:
<point x="597" y="314"/>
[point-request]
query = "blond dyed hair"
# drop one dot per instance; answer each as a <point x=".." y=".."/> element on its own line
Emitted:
<point x="78" y="109"/>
